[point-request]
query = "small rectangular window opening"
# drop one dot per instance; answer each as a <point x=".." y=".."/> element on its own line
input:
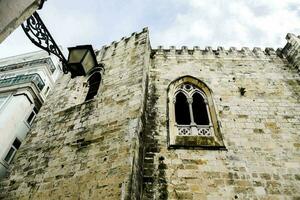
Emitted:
<point x="32" y="116"/>
<point x="12" y="151"/>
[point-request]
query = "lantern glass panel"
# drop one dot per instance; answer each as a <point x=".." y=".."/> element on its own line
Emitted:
<point x="88" y="62"/>
<point x="76" y="55"/>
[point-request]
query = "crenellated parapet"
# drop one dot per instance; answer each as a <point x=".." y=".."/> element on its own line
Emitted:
<point x="220" y="52"/>
<point x="130" y="42"/>
<point x="195" y="52"/>
<point x="292" y="50"/>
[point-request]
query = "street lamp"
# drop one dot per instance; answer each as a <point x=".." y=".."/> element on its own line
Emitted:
<point x="81" y="59"/>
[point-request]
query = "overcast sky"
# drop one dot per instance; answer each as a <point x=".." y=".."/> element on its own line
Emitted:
<point x="237" y="23"/>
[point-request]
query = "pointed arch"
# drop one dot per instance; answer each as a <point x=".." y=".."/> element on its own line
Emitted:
<point x="197" y="127"/>
<point x="93" y="84"/>
<point x="190" y="79"/>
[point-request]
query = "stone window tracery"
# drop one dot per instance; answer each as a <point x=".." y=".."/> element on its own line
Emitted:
<point x="191" y="111"/>
<point x="192" y="117"/>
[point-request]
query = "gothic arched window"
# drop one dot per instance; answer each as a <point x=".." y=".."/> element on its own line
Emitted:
<point x="93" y="84"/>
<point x="192" y="116"/>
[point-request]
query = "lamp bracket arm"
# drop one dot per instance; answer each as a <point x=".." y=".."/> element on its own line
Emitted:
<point x="39" y="35"/>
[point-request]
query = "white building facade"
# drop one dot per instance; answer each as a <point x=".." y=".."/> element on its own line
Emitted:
<point x="14" y="12"/>
<point x="25" y="82"/>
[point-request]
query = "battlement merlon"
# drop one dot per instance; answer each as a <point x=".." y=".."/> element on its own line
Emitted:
<point x="292" y="50"/>
<point x="125" y="42"/>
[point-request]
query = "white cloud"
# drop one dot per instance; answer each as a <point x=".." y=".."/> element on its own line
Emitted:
<point x="235" y="23"/>
<point x="171" y="22"/>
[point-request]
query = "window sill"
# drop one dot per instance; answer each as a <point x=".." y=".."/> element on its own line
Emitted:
<point x="196" y="142"/>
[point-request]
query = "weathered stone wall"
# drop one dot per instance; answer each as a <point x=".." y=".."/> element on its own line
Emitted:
<point x="260" y="128"/>
<point x="88" y="150"/>
<point x="115" y="146"/>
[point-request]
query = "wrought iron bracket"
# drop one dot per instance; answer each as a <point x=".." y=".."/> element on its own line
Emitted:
<point x="39" y="35"/>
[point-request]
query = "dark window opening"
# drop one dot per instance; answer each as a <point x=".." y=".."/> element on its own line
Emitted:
<point x="94" y="83"/>
<point x="182" y="112"/>
<point x="17" y="143"/>
<point x="9" y="154"/>
<point x="12" y="151"/>
<point x="35" y="110"/>
<point x="30" y="118"/>
<point x="199" y="110"/>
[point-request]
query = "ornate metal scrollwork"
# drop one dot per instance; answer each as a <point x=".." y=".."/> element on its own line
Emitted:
<point x="39" y="35"/>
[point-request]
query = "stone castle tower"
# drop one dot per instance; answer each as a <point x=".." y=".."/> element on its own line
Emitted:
<point x="168" y="124"/>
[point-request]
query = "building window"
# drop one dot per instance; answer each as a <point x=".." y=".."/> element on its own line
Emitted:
<point x="93" y="84"/>
<point x="12" y="151"/>
<point x="32" y="116"/>
<point x="192" y="116"/>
